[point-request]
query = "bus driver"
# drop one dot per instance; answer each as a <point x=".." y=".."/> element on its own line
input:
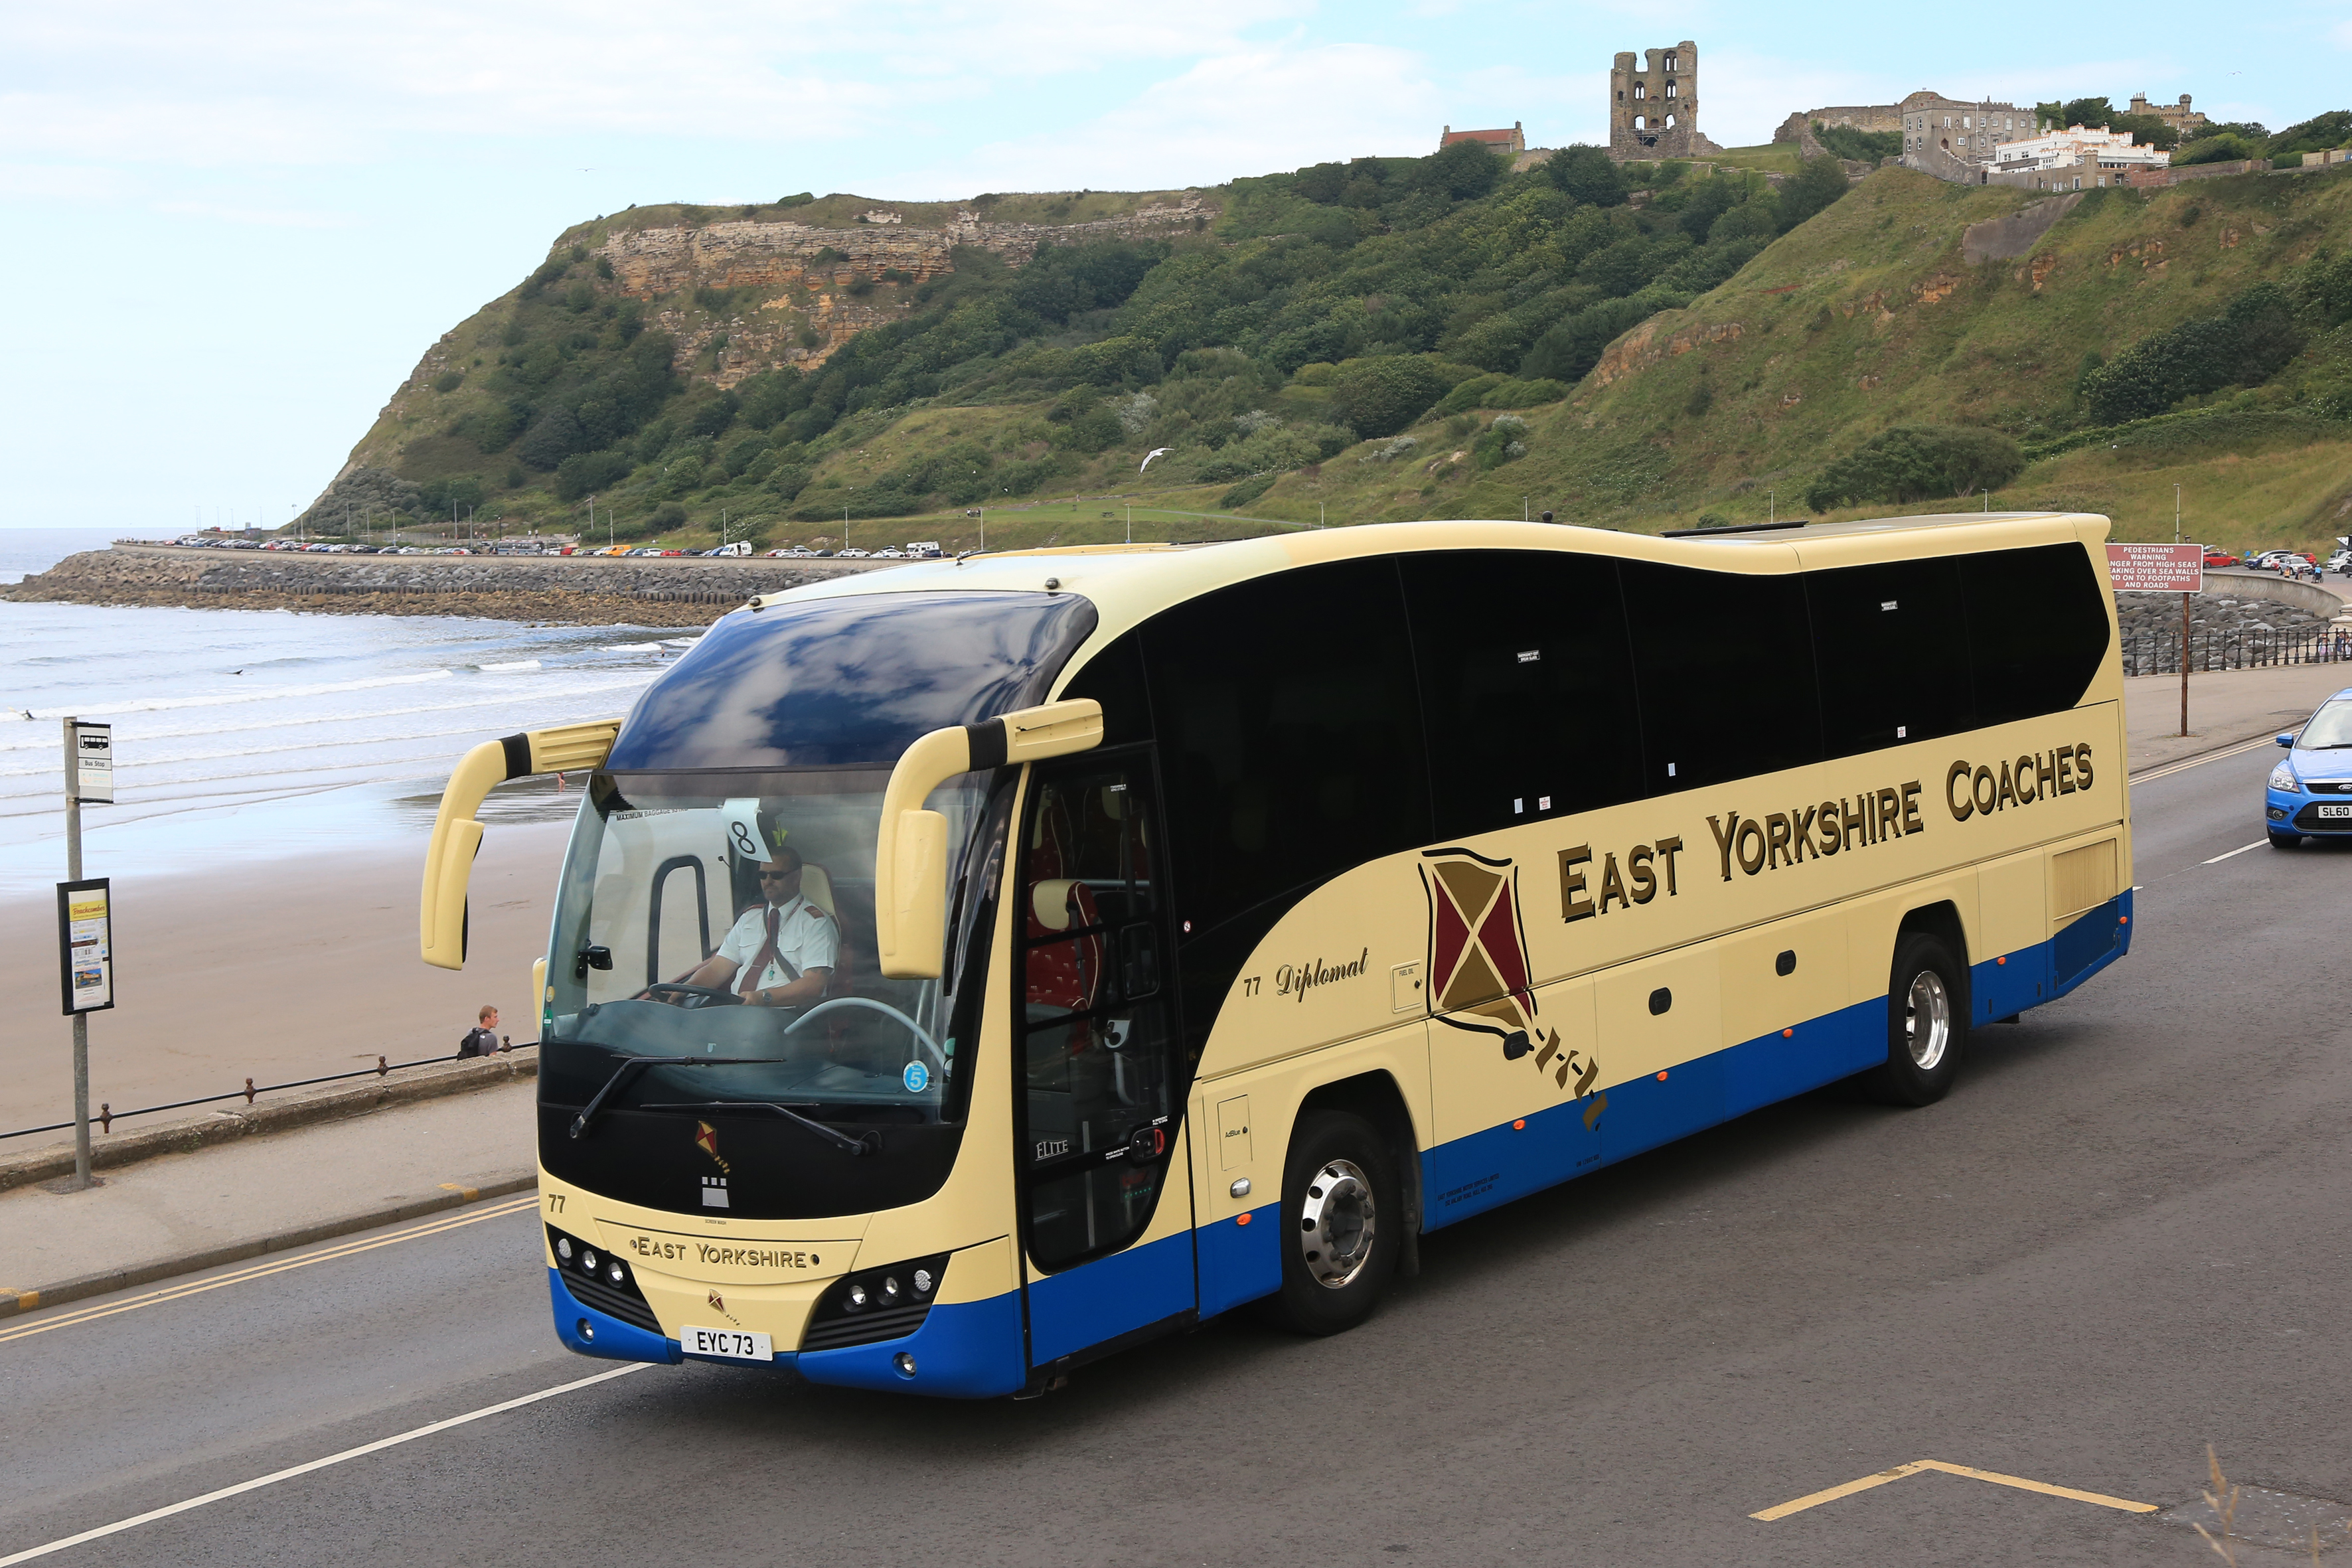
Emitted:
<point x="782" y="949"/>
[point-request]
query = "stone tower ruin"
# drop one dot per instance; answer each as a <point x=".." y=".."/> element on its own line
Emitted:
<point x="1653" y="112"/>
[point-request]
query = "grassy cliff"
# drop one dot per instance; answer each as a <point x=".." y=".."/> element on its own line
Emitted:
<point x="1387" y="338"/>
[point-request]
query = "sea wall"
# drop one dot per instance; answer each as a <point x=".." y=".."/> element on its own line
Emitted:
<point x="589" y="591"/>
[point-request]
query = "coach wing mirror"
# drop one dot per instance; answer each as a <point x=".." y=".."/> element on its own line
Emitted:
<point x="458" y="838"/>
<point x="910" y="853"/>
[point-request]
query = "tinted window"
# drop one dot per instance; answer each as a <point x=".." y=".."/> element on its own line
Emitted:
<point x="824" y="682"/>
<point x="1114" y="677"/>
<point x="1891" y="644"/>
<point x="2037" y="629"/>
<point x="1527" y="686"/>
<point x="1289" y="735"/>
<point x="1725" y="665"/>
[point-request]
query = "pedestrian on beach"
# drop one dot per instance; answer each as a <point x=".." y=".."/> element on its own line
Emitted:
<point x="483" y="1039"/>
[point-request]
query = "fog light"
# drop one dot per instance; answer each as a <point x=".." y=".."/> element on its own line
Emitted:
<point x="588" y="1261"/>
<point x="615" y="1273"/>
<point x="855" y="1299"/>
<point x="923" y="1281"/>
<point x="587" y="1330"/>
<point x="890" y="1291"/>
<point x="2278" y="814"/>
<point x="905" y="1363"/>
<point x="563" y="1248"/>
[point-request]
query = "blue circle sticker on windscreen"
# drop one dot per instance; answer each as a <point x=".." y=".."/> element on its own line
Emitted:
<point x="917" y="1078"/>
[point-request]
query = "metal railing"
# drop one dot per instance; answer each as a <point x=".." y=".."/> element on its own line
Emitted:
<point x="108" y="1116"/>
<point x="2158" y="653"/>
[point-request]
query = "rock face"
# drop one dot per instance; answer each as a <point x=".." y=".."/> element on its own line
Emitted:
<point x="810" y="270"/>
<point x="675" y="592"/>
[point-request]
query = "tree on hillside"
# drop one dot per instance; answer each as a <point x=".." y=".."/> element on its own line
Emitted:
<point x="1816" y="184"/>
<point x="1586" y="175"/>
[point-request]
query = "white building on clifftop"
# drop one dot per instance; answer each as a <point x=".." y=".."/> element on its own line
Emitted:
<point x="2077" y="158"/>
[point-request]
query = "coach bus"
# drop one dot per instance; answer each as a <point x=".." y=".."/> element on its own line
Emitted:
<point x="965" y="970"/>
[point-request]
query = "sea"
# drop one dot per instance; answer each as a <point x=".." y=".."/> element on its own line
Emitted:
<point x="242" y="735"/>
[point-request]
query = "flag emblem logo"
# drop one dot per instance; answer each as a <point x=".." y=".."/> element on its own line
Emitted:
<point x="1479" y="969"/>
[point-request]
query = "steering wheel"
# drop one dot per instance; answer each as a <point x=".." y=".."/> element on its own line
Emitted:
<point x="663" y="991"/>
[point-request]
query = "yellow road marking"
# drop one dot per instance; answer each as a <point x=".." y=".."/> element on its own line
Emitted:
<point x="276" y="1266"/>
<point x="1801" y="1504"/>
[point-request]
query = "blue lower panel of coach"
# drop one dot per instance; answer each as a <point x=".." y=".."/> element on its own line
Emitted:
<point x="1471" y="1175"/>
<point x="967" y="1350"/>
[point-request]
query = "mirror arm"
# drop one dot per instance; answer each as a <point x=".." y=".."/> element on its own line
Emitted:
<point x="910" y="847"/>
<point x="457" y="836"/>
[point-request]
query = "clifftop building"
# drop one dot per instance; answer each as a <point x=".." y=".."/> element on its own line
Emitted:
<point x="2075" y="159"/>
<point x="1654" y="111"/>
<point x="2179" y="116"/>
<point x="1513" y="142"/>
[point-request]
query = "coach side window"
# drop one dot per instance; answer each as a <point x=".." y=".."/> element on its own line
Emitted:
<point x="1891" y="644"/>
<point x="1290" y="739"/>
<point x="1527" y="686"/>
<point x="2037" y="629"/>
<point x="1724" y="662"/>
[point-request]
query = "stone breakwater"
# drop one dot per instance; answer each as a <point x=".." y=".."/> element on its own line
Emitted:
<point x="652" y="592"/>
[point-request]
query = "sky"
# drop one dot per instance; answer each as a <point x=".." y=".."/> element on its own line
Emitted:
<point x="231" y="230"/>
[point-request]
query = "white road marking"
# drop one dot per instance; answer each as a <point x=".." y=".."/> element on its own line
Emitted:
<point x="2170" y="768"/>
<point x="2241" y="849"/>
<point x="118" y="1526"/>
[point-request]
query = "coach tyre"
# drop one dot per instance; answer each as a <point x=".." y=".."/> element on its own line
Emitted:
<point x="1927" y="1023"/>
<point x="1341" y="1210"/>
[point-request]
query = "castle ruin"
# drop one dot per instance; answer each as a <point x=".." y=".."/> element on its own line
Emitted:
<point x="1653" y="112"/>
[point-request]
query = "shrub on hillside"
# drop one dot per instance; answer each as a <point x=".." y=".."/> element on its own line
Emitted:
<point x="1249" y="490"/>
<point x="2250" y="340"/>
<point x="586" y="473"/>
<point x="1504" y="441"/>
<point x="1382" y="397"/>
<point x="2224" y="148"/>
<point x="1917" y="462"/>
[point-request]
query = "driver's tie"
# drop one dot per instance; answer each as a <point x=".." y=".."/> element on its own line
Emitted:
<point x="758" y="965"/>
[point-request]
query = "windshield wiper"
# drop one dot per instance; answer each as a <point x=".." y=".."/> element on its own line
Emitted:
<point x="630" y="1065"/>
<point x="870" y="1143"/>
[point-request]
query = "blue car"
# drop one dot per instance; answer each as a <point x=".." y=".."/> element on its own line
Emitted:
<point x="2310" y="792"/>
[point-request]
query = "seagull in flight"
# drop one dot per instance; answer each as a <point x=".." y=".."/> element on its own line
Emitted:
<point x="1155" y="452"/>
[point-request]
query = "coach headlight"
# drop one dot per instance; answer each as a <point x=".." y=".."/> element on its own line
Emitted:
<point x="2282" y="779"/>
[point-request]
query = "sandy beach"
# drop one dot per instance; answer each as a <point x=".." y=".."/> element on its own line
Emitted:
<point x="276" y="969"/>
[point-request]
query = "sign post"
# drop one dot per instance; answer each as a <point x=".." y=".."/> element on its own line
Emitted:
<point x="85" y="917"/>
<point x="2162" y="569"/>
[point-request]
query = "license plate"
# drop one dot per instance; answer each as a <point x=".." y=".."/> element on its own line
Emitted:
<point x="2345" y="810"/>
<point x="732" y="1344"/>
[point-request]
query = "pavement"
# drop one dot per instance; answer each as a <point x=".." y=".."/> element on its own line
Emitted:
<point x="2226" y="708"/>
<point x="267" y="1192"/>
<point x="2026" y="1310"/>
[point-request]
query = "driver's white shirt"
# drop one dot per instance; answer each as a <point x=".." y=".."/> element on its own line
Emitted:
<point x="807" y="938"/>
